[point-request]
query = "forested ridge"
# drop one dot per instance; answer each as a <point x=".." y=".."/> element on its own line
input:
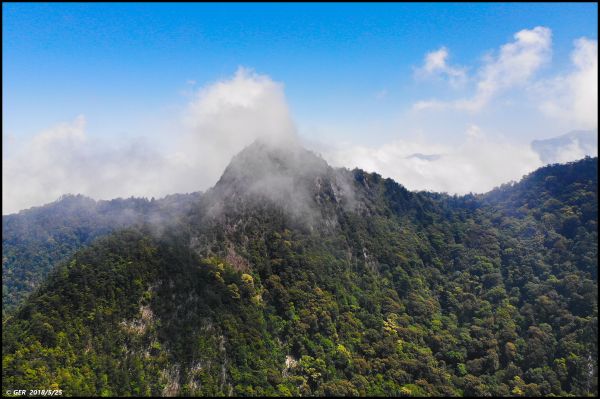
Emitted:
<point x="35" y="240"/>
<point x="293" y="278"/>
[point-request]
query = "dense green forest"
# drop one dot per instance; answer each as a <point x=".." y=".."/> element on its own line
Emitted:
<point x="293" y="278"/>
<point x="35" y="240"/>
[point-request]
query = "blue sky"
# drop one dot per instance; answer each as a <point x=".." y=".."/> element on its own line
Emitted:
<point x="350" y="72"/>
<point x="117" y="61"/>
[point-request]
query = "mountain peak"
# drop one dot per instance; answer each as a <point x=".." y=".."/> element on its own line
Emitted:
<point x="265" y="160"/>
<point x="289" y="177"/>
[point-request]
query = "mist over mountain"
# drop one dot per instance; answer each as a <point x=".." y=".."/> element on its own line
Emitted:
<point x="290" y="277"/>
<point x="567" y="147"/>
<point x="37" y="239"/>
<point x="287" y="178"/>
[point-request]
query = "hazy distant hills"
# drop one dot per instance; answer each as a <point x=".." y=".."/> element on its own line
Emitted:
<point x="569" y="146"/>
<point x="290" y="277"/>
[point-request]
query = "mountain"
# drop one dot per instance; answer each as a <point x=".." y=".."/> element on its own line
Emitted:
<point x="35" y="240"/>
<point x="290" y="277"/>
<point x="567" y="147"/>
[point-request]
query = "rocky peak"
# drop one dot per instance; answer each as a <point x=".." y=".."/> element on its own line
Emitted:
<point x="262" y="160"/>
<point x="289" y="177"/>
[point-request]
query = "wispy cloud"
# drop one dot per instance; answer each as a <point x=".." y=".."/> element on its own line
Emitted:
<point x="435" y="64"/>
<point x="514" y="65"/>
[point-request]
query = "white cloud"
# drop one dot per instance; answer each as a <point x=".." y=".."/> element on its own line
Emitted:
<point x="571" y="152"/>
<point x="435" y="64"/>
<point x="477" y="164"/>
<point x="65" y="159"/>
<point x="234" y="112"/>
<point x="573" y="97"/>
<point x="221" y="119"/>
<point x="225" y="117"/>
<point x="513" y="66"/>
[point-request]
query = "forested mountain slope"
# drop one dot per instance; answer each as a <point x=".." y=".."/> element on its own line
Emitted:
<point x="37" y="239"/>
<point x="290" y="277"/>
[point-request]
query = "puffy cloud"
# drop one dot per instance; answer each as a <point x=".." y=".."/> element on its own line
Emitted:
<point x="513" y="66"/>
<point x="222" y="118"/>
<point x="573" y="97"/>
<point x="477" y="164"/>
<point x="225" y="117"/>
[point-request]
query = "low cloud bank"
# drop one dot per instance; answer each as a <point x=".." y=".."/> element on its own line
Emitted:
<point x="221" y="119"/>
<point x="477" y="164"/>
